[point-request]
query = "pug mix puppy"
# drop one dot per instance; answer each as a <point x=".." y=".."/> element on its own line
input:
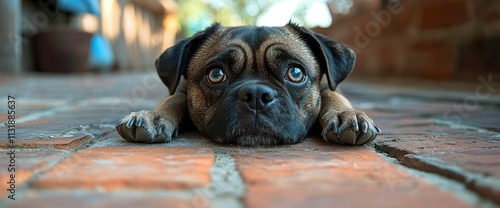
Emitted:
<point x="253" y="86"/>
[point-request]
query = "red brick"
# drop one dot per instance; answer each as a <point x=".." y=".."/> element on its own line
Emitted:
<point x="487" y="11"/>
<point x="131" y="167"/>
<point x="3" y="117"/>
<point x="402" y="15"/>
<point x="27" y="162"/>
<point x="421" y="107"/>
<point x="476" y="153"/>
<point x="403" y="21"/>
<point x="342" y="27"/>
<point x="317" y="143"/>
<point x="479" y="57"/>
<point x="104" y="200"/>
<point x="492" y="16"/>
<point x="360" y="16"/>
<point x="430" y="59"/>
<point x="459" y="157"/>
<point x="378" y="59"/>
<point x="443" y="14"/>
<point x="387" y="58"/>
<point x="410" y="125"/>
<point x="486" y="187"/>
<point x="55" y="131"/>
<point x="364" y="60"/>
<point x="352" y="178"/>
<point x="58" y="142"/>
<point x="414" y="114"/>
<point x="484" y="117"/>
<point x="343" y="30"/>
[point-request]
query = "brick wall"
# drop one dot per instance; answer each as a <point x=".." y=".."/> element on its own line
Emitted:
<point x="445" y="39"/>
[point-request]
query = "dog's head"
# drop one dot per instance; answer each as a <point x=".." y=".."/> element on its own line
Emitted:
<point x="255" y="85"/>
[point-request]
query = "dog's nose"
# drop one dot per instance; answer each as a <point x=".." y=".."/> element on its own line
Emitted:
<point x="257" y="96"/>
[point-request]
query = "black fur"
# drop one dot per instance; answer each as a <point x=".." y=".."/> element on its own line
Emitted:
<point x="171" y="65"/>
<point x="337" y="65"/>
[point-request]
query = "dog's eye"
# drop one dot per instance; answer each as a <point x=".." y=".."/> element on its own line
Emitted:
<point x="216" y="76"/>
<point x="295" y="74"/>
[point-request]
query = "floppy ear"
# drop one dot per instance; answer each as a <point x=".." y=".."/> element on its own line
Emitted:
<point x="335" y="60"/>
<point x="172" y="64"/>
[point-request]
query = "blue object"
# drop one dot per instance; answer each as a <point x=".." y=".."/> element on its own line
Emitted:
<point x="101" y="56"/>
<point x="80" y="6"/>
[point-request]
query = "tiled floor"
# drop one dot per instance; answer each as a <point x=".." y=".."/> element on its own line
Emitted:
<point x="440" y="147"/>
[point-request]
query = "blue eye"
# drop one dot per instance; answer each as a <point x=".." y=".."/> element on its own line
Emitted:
<point x="295" y="74"/>
<point x="216" y="75"/>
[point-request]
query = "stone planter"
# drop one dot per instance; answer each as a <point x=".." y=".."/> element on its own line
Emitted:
<point x="62" y="49"/>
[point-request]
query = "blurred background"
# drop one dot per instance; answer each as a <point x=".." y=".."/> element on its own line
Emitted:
<point x="428" y="39"/>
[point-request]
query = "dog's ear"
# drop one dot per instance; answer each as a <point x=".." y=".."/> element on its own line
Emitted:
<point x="171" y="65"/>
<point x="335" y="60"/>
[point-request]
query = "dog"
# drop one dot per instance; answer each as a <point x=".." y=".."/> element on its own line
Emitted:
<point x="252" y="85"/>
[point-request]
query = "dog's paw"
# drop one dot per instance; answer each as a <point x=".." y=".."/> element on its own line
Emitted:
<point x="348" y="127"/>
<point x="148" y="127"/>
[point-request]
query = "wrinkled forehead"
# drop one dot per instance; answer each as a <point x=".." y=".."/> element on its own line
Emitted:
<point x="254" y="36"/>
<point x="258" y="39"/>
<point x="255" y="44"/>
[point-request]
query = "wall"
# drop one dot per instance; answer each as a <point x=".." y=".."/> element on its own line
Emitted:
<point x="139" y="30"/>
<point x="443" y="40"/>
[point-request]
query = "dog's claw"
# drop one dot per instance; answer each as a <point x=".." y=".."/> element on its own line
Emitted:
<point x="139" y="122"/>
<point x="344" y="127"/>
<point x="336" y="128"/>
<point x="364" y="127"/>
<point x="118" y="124"/>
<point x="160" y="130"/>
<point x="131" y="122"/>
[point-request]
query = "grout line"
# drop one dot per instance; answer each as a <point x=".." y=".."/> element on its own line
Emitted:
<point x="461" y="126"/>
<point x="66" y="154"/>
<point x="27" y="186"/>
<point x="96" y="138"/>
<point x="449" y="178"/>
<point x="227" y="187"/>
<point x="456" y="188"/>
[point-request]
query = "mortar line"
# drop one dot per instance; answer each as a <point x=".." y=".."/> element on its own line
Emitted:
<point x="66" y="154"/>
<point x="27" y="186"/>
<point x="227" y="187"/>
<point x="456" y="187"/>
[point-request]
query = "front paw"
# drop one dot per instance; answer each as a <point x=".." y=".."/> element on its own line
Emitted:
<point x="148" y="127"/>
<point x="348" y="127"/>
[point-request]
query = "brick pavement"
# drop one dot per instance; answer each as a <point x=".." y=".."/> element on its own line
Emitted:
<point x="440" y="147"/>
